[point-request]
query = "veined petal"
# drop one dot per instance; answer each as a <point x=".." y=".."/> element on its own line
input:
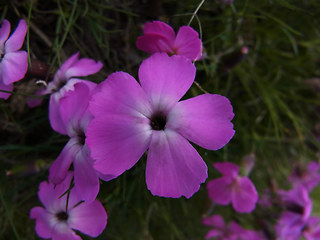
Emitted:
<point x="42" y="217"/>
<point x="166" y="79"/>
<point x="153" y="43"/>
<point x="5" y="87"/>
<point x="119" y="133"/>
<point x="245" y="196"/>
<point x="16" y="39"/>
<point x="86" y="181"/>
<point x="61" y="165"/>
<point x="89" y="218"/>
<point x="161" y="28"/>
<point x="174" y="167"/>
<point x="14" y="66"/>
<point x="220" y="189"/>
<point x="188" y="43"/>
<point x="204" y="120"/>
<point x="4" y="32"/>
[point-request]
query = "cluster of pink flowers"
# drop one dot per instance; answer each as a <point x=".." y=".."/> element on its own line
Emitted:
<point x="112" y="124"/>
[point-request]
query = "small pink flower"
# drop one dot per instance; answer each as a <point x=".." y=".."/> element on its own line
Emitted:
<point x="160" y="37"/>
<point x="63" y="81"/>
<point x="232" y="188"/>
<point x="57" y="219"/>
<point x="13" y="63"/>
<point x="75" y="117"/>
<point x="130" y="118"/>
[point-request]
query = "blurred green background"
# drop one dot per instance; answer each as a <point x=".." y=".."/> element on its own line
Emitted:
<point x="274" y="90"/>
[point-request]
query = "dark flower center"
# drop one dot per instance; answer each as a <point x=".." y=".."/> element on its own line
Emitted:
<point x="62" y="216"/>
<point x="158" y="121"/>
<point x="293" y="207"/>
<point x="82" y="138"/>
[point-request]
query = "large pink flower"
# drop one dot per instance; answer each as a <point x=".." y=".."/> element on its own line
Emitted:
<point x="130" y="118"/>
<point x="232" y="188"/>
<point x="59" y="216"/>
<point x="13" y="63"/>
<point x="160" y="37"/>
<point x="75" y="118"/>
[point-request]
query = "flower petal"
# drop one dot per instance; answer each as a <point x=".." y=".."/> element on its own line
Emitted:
<point x="245" y="197"/>
<point x="119" y="133"/>
<point x="63" y="232"/>
<point x="204" y="120"/>
<point x="4" y="31"/>
<point x="83" y="67"/>
<point x="219" y="190"/>
<point x="42" y="217"/>
<point x="214" y="221"/>
<point x="89" y="218"/>
<point x="158" y="27"/>
<point x="227" y="168"/>
<point x="174" y="167"/>
<point x="153" y="43"/>
<point x="86" y="181"/>
<point x="166" y="79"/>
<point x="16" y="39"/>
<point x="5" y="87"/>
<point x="14" y="66"/>
<point x="188" y="43"/>
<point x="61" y="165"/>
<point x="60" y="74"/>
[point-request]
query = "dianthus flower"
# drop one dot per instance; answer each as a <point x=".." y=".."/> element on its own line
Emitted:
<point x="160" y="37"/>
<point x="298" y="210"/>
<point x="59" y="215"/>
<point x="13" y="63"/>
<point x="232" y="188"/>
<point x="63" y="81"/>
<point x="130" y="118"/>
<point x="75" y="119"/>
<point x="232" y="231"/>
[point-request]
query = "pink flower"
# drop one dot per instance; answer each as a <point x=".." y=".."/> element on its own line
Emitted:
<point x="59" y="216"/>
<point x="160" y="37"/>
<point x="232" y="188"/>
<point x="63" y="81"/>
<point x="231" y="231"/>
<point x="130" y="118"/>
<point x="13" y="63"/>
<point x="312" y="229"/>
<point x="75" y="119"/>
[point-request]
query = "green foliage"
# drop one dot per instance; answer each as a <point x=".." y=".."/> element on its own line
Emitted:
<point x="276" y="108"/>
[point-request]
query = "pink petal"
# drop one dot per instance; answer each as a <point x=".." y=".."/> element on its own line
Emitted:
<point x="119" y="133"/>
<point x="61" y="165"/>
<point x="188" y="43"/>
<point x="219" y="190"/>
<point x="89" y="218"/>
<point x="161" y="28"/>
<point x="5" y="87"/>
<point x="60" y="74"/>
<point x="245" y="196"/>
<point x="153" y="43"/>
<point x="16" y="39"/>
<point x="174" y="167"/>
<point x="86" y="181"/>
<point x="204" y="120"/>
<point x="166" y="79"/>
<point x="14" y="66"/>
<point x="214" y="221"/>
<point x="42" y="217"/>
<point x="54" y="115"/>
<point x="227" y="168"/>
<point x="83" y="67"/>
<point x="64" y="233"/>
<point x="213" y="233"/>
<point x="4" y="32"/>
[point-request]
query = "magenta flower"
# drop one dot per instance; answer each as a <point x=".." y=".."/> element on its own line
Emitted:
<point x="309" y="177"/>
<point x="59" y="216"/>
<point x="160" y="37"/>
<point x="13" y="63"/>
<point x="130" y="118"/>
<point x="75" y="119"/>
<point x="63" y="81"/>
<point x="232" y="188"/>
<point x="312" y="229"/>
<point x="232" y="231"/>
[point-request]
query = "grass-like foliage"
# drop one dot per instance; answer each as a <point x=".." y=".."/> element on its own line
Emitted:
<point x="274" y="90"/>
